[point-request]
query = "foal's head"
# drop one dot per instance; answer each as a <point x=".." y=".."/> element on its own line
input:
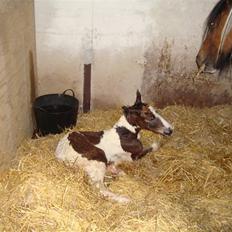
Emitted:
<point x="216" y="47"/>
<point x="143" y="116"/>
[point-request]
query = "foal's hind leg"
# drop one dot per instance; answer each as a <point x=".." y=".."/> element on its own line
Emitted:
<point x="96" y="171"/>
<point x="114" y="170"/>
<point x="119" y="198"/>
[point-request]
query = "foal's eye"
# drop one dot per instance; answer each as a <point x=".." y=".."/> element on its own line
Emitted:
<point x="149" y="115"/>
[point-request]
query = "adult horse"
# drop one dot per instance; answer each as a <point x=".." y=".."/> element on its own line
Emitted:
<point x="216" y="49"/>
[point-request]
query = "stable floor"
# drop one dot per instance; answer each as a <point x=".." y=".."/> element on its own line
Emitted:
<point x="185" y="186"/>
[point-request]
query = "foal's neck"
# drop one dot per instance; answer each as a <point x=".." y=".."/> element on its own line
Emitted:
<point x="122" y="122"/>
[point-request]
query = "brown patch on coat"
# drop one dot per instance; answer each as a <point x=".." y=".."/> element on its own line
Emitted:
<point x="129" y="141"/>
<point x="93" y="137"/>
<point x="85" y="148"/>
<point x="131" y="144"/>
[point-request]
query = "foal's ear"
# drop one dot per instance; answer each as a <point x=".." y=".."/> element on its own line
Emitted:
<point x="138" y="98"/>
<point x="125" y="110"/>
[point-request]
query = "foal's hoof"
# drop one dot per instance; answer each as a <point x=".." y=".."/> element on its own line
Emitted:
<point x="123" y="199"/>
<point x="155" y="146"/>
<point x="115" y="171"/>
<point x="121" y="173"/>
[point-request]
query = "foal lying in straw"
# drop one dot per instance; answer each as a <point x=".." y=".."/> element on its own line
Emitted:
<point x="97" y="152"/>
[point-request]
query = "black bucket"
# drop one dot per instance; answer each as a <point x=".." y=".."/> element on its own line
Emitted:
<point x="55" y="112"/>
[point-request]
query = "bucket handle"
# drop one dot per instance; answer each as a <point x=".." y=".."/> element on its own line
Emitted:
<point x="73" y="94"/>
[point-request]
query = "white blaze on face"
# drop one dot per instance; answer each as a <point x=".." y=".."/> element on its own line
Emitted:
<point x="164" y="122"/>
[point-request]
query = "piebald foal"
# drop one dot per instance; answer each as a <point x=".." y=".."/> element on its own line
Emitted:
<point x="96" y="152"/>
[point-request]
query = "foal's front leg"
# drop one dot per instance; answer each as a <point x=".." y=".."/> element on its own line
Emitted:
<point x="142" y="152"/>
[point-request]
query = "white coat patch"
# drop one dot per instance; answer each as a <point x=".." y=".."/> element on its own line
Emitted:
<point x="65" y="152"/>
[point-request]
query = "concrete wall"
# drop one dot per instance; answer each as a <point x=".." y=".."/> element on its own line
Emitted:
<point x="131" y="44"/>
<point x="17" y="53"/>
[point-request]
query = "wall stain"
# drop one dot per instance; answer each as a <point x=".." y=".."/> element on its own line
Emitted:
<point x="163" y="85"/>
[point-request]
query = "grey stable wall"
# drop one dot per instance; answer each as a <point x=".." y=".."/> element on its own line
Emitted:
<point x="131" y="44"/>
<point x="17" y="74"/>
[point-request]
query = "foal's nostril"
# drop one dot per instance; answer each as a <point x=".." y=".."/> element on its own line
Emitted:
<point x="168" y="131"/>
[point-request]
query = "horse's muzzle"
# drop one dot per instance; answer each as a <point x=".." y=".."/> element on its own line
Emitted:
<point x="210" y="70"/>
<point x="204" y="66"/>
<point x="199" y="61"/>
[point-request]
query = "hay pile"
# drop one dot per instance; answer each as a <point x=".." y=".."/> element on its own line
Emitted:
<point x="185" y="186"/>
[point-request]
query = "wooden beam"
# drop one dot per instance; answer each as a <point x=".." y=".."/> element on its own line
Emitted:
<point x="87" y="88"/>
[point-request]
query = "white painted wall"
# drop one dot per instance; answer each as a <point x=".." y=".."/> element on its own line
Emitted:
<point x="115" y="36"/>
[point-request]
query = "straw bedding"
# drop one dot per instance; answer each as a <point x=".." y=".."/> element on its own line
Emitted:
<point x="185" y="186"/>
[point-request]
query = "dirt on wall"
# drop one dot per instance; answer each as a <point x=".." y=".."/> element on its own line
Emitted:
<point x="165" y="84"/>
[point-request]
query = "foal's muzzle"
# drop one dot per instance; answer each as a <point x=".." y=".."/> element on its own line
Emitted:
<point x="168" y="131"/>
